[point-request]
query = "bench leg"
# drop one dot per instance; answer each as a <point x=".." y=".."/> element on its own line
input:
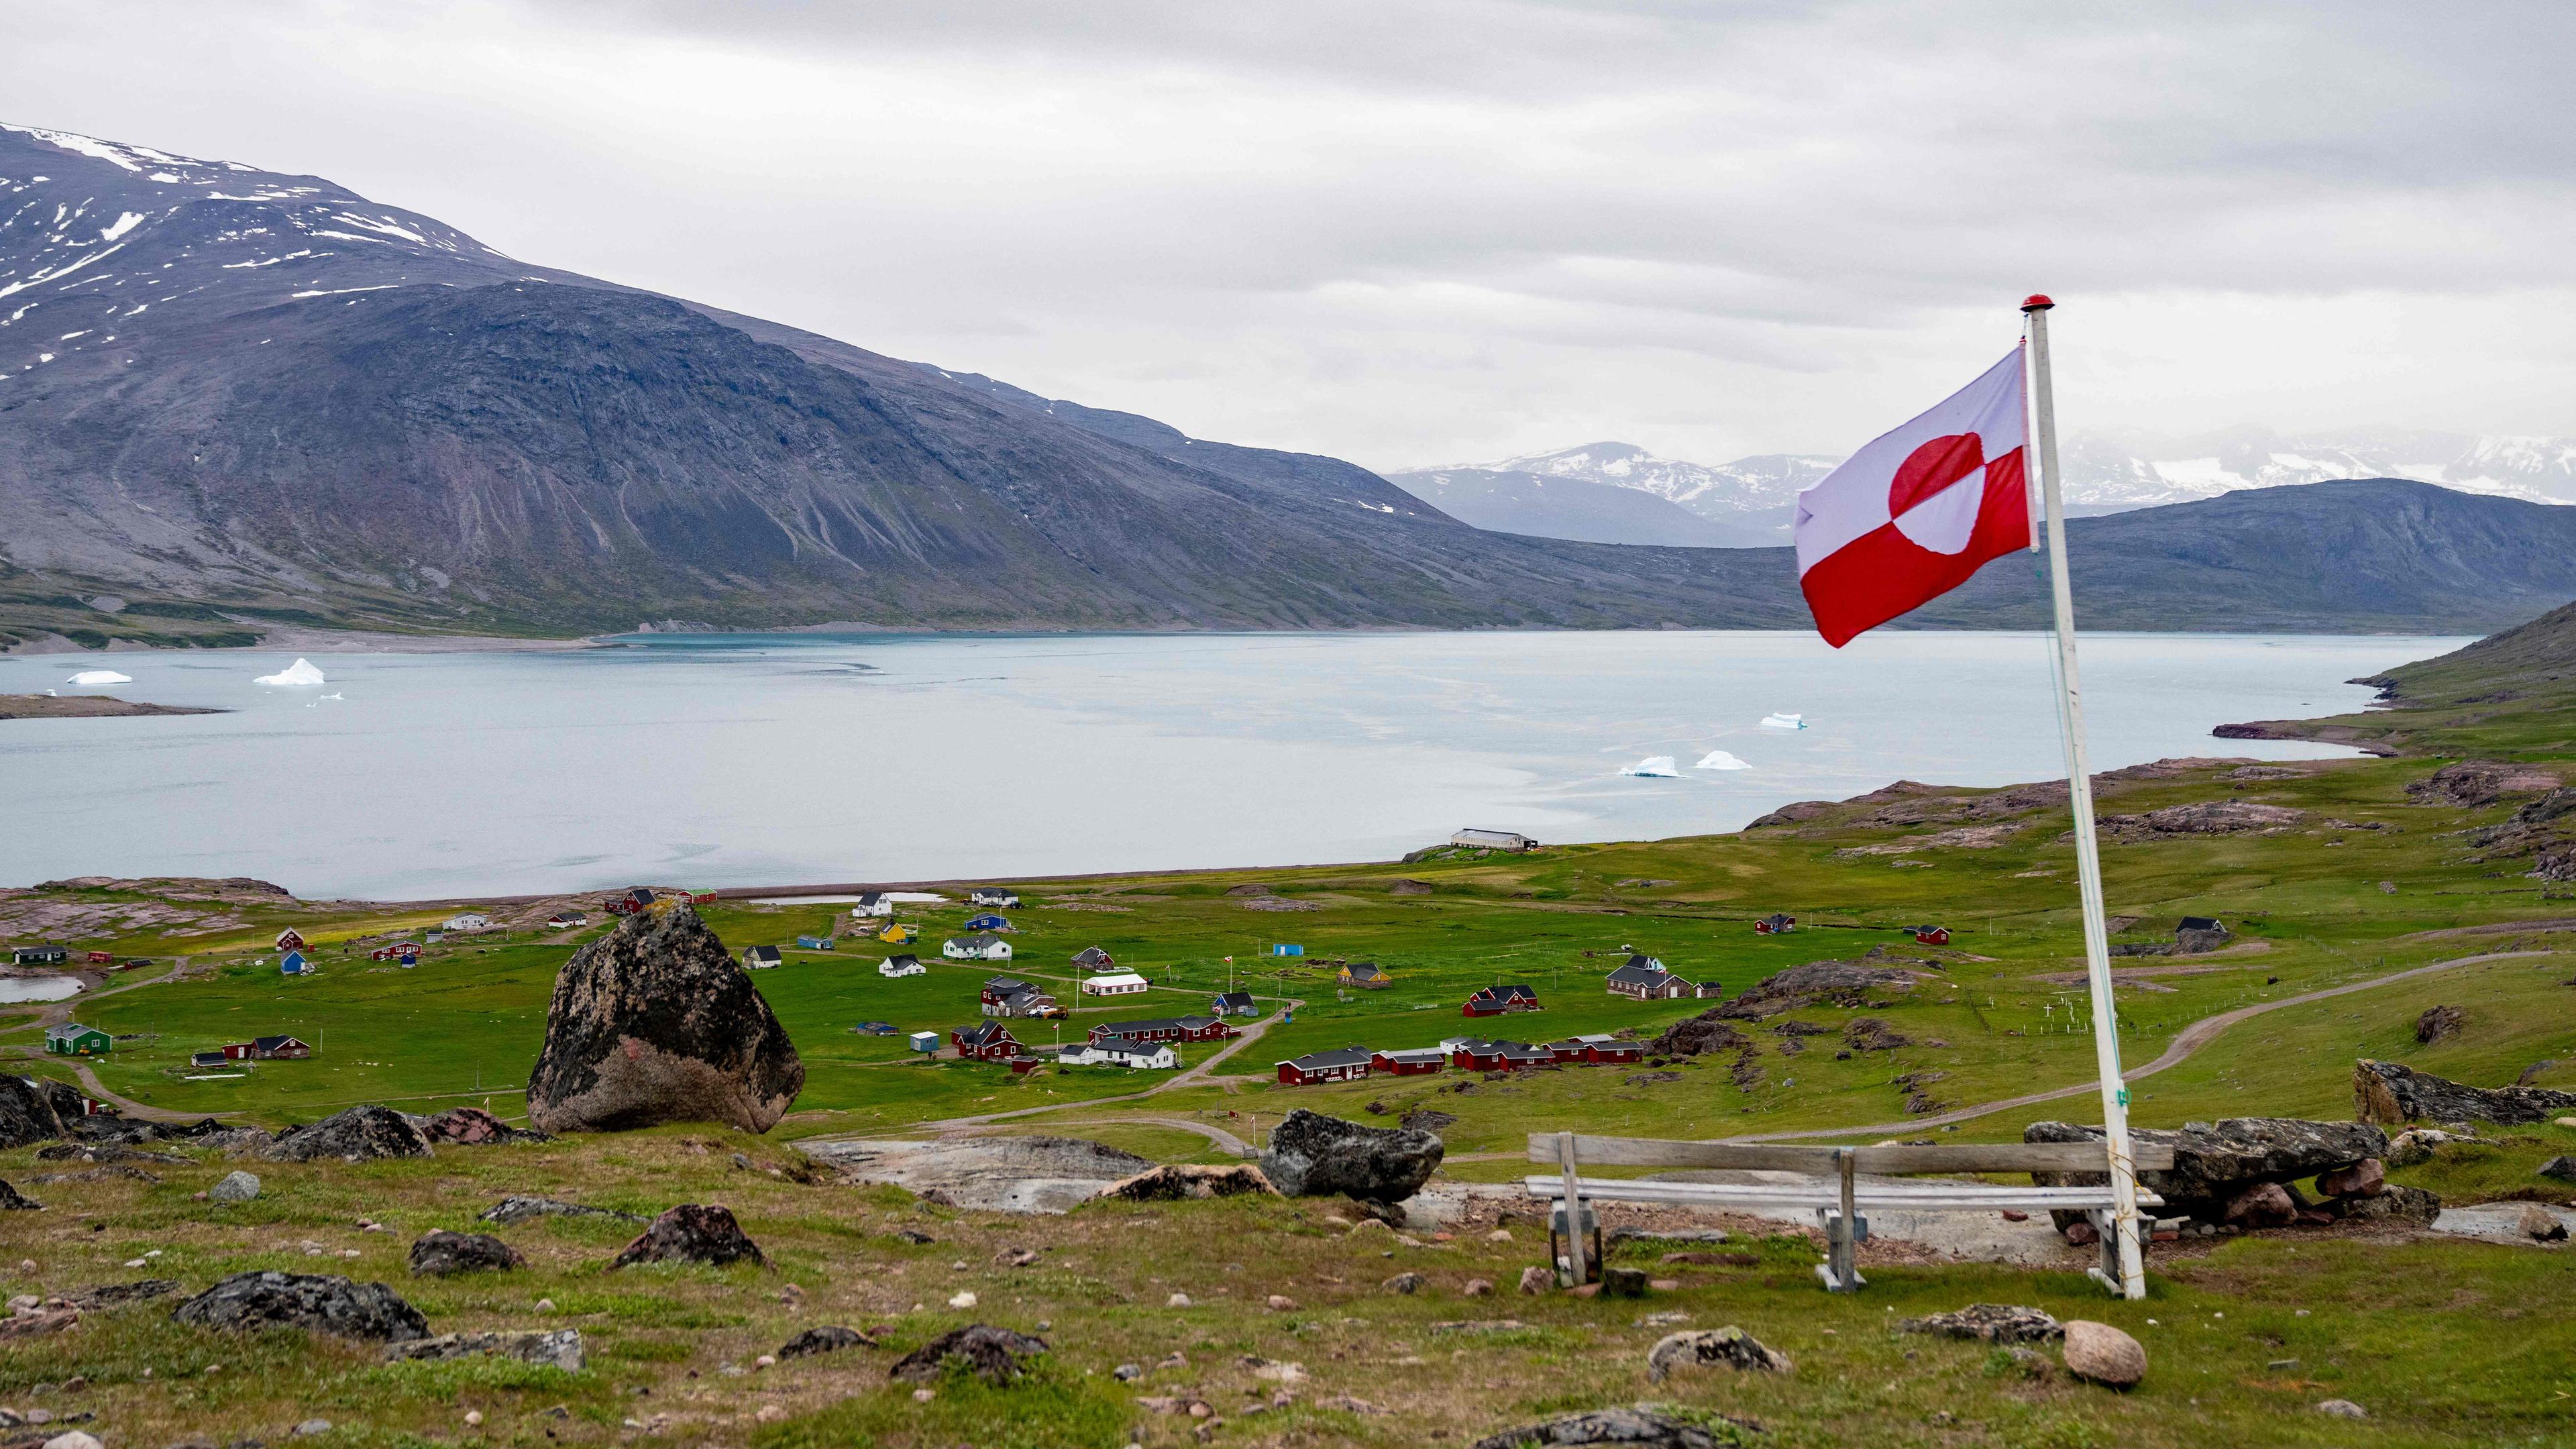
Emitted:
<point x="2108" y="1273"/>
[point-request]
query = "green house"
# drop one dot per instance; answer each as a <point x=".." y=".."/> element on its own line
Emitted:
<point x="71" y="1039"/>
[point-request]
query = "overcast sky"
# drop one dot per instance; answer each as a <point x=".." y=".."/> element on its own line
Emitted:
<point x="1448" y="230"/>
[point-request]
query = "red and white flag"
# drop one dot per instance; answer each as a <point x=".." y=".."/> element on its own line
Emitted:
<point x="1909" y="517"/>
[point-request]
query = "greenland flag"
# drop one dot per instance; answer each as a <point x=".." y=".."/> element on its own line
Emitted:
<point x="1909" y="517"/>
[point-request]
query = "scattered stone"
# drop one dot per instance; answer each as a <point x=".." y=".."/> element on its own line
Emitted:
<point x="359" y="1134"/>
<point x="2561" y="1168"/>
<point x="831" y="1338"/>
<point x="1729" y="1346"/>
<point x="311" y="1427"/>
<point x="519" y="1209"/>
<point x="1282" y="1303"/>
<point x="915" y="1236"/>
<point x="235" y="1186"/>
<point x="1127" y="1373"/>
<point x="1177" y="1300"/>
<point x="1869" y="1034"/>
<point x="1312" y="1155"/>
<point x="1535" y="1281"/>
<point x="2264" y="1205"/>
<point x="2398" y="1203"/>
<point x="2540" y="1224"/>
<point x="995" y="1355"/>
<point x="2437" y="1023"/>
<point x="656" y="1022"/>
<point x="33" y="1320"/>
<point x="1623" y="1282"/>
<point x="1479" y="1288"/>
<point x="12" y="1200"/>
<point x="2367" y="1178"/>
<point x="691" y="1232"/>
<point x="319" y="1302"/>
<point x="1403" y="1283"/>
<point x="1427" y="1119"/>
<point x="75" y="1439"/>
<point x="1178" y="1181"/>
<point x="1989" y="1323"/>
<point x="438" y="1253"/>
<point x="2343" y="1409"/>
<point x="561" y="1347"/>
<point x="474" y="1127"/>
<point x="962" y="1298"/>
<point x="1644" y="1427"/>
<point x="2103" y="1354"/>
<point x="2395" y="1094"/>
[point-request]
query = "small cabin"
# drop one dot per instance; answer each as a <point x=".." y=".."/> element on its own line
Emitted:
<point x="1028" y="1001"/>
<point x="1346" y="1064"/>
<point x="1775" y="924"/>
<point x="1610" y="1051"/>
<point x="215" y="1058"/>
<point x="1121" y="1051"/>
<point x="278" y="1049"/>
<point x="1411" y="1062"/>
<point x="290" y="939"/>
<point x="899" y="935"/>
<point x="872" y="905"/>
<point x="468" y="921"/>
<point x="1643" y="978"/>
<point x="1366" y="975"/>
<point x="71" y="1039"/>
<point x="982" y="946"/>
<point x="1497" y="1000"/>
<point x="986" y="1041"/>
<point x="102" y="958"/>
<point x="1116" y="983"/>
<point x="1001" y="898"/>
<point x="1931" y="935"/>
<point x="1475" y="1054"/>
<point x="894" y="966"/>
<point x="1287" y="948"/>
<point x="925" y="1042"/>
<point x="989" y="922"/>
<point x="1493" y="840"/>
<point x="761" y="958"/>
<point x="814" y="943"/>
<point x="39" y="956"/>
<point x="293" y="963"/>
<point x="1092" y="958"/>
<point x="1234" y="1003"/>
<point x="566" y="920"/>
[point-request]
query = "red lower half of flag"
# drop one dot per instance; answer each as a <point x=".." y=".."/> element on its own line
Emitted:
<point x="1883" y="574"/>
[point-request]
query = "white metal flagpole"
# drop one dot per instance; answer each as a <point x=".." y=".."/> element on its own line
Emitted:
<point x="2088" y="852"/>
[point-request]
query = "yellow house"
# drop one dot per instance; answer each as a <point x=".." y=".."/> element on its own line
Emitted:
<point x="899" y="935"/>
<point x="1364" y="974"/>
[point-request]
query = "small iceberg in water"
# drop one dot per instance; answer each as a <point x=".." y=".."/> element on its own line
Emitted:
<point x="1784" y="721"/>
<point x="299" y="675"/>
<point x="1720" y="760"/>
<point x="1654" y="767"/>
<point x="101" y="676"/>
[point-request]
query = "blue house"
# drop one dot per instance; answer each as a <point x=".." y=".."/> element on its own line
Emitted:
<point x="1285" y="949"/>
<point x="814" y="943"/>
<point x="988" y="923"/>
<point x="294" y="964"/>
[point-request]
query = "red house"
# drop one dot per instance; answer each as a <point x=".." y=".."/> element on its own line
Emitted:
<point x="1171" y="1028"/>
<point x="1346" y="1064"/>
<point x="1496" y="1000"/>
<point x="1775" y="924"/>
<point x="1414" y="1062"/>
<point x="1610" y="1051"/>
<point x="290" y="939"/>
<point x="1932" y="935"/>
<point x="986" y="1041"/>
<point x="1568" y="1050"/>
<point x="1022" y="1066"/>
<point x="102" y="958"/>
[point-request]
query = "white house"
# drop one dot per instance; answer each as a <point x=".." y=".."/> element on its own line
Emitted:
<point x="1120" y="1051"/>
<point x="873" y="904"/>
<point x="760" y="958"/>
<point x="1001" y="896"/>
<point x="982" y="946"/>
<point x="1493" y="840"/>
<point x="470" y="921"/>
<point x="894" y="966"/>
<point x="1117" y="983"/>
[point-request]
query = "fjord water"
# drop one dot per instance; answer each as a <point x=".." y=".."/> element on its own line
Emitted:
<point x="787" y="760"/>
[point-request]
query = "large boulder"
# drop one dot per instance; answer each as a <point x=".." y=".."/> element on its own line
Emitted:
<point x="2215" y="1164"/>
<point x="655" y="1022"/>
<point x="1312" y="1155"/>
<point x="439" y="1253"/>
<point x="1694" y="1035"/>
<point x="26" y="1115"/>
<point x="12" y="1200"/>
<point x="2103" y="1354"/>
<point x="1645" y="1426"/>
<point x="357" y="1135"/>
<point x="316" y="1301"/>
<point x="996" y="1355"/>
<point x="2395" y="1094"/>
<point x="691" y="1233"/>
<point x="1174" y="1181"/>
<point x="1728" y="1347"/>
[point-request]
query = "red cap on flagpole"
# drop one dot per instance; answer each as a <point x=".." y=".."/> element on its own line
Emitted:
<point x="2036" y="302"/>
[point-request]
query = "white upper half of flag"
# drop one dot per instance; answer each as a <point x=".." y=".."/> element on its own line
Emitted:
<point x="1930" y="493"/>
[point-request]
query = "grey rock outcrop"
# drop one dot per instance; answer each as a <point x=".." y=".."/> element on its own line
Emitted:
<point x="26" y="1116"/>
<point x="2437" y="1023"/>
<point x="1174" y="1181"/>
<point x="2479" y="782"/>
<point x="12" y="1200"/>
<point x="1988" y="1323"/>
<point x="474" y="1127"/>
<point x="439" y="1253"/>
<point x="1845" y="983"/>
<point x="519" y="1209"/>
<point x="2395" y="1094"/>
<point x="320" y="1302"/>
<point x="1312" y="1155"/>
<point x="1728" y="1347"/>
<point x="656" y="1022"/>
<point x="358" y="1134"/>
<point x="694" y="1233"/>
<point x="234" y="1186"/>
<point x="1642" y="1427"/>
<point x="996" y="1355"/>
<point x="1695" y="1035"/>
<point x="2205" y="817"/>
<point x="831" y="1338"/>
<point x="2215" y="1164"/>
<point x="557" y="1348"/>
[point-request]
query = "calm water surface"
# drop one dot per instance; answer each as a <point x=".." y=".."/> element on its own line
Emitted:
<point x="747" y="760"/>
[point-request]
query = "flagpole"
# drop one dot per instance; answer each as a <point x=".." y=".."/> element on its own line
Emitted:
<point x="2088" y="852"/>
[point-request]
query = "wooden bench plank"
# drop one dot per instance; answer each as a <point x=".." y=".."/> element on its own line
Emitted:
<point x="1824" y="1161"/>
<point x="1827" y="1193"/>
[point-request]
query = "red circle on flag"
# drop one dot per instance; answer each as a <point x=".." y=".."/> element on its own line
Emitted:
<point x="1932" y="467"/>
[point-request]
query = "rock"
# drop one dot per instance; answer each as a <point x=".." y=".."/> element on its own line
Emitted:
<point x="519" y="1209"/>
<point x="1311" y="1155"/>
<point x="995" y="1355"/>
<point x="1642" y="1427"/>
<point x="1127" y="1373"/>
<point x="1703" y="1348"/>
<point x="829" y="1339"/>
<point x="2366" y="1178"/>
<point x="2103" y="1354"/>
<point x="2561" y="1168"/>
<point x="474" y="1127"/>
<point x="2480" y="782"/>
<point x="118" y="1295"/>
<point x="360" y="1133"/>
<point x="2540" y="1224"/>
<point x="1694" y="1036"/>
<point x="2204" y="817"/>
<point x="1407" y="1283"/>
<point x="2343" y="1409"/>
<point x="26" y="1113"/>
<point x="1869" y="1034"/>
<point x="319" y="1302"/>
<point x="2264" y="1205"/>
<point x="2213" y="1164"/>
<point x="1845" y="983"/>
<point x="1478" y="1288"/>
<point x="1427" y="1119"/>
<point x="31" y="1321"/>
<point x="2081" y="1233"/>
<point x="312" y="1427"/>
<point x="1176" y="1181"/>
<point x="656" y="1022"/>
<point x="1623" y="1282"/>
<point x="2406" y="1149"/>
<point x="561" y="1347"/>
<point x="12" y="1200"/>
<point x="1989" y="1323"/>
<point x="235" y="1186"/>
<point x="75" y="1439"/>
<point x="438" y="1253"/>
<point x="691" y="1232"/>
<point x="2395" y="1094"/>
<point x="1535" y="1281"/>
<point x="2438" y="1022"/>
<point x="2396" y="1204"/>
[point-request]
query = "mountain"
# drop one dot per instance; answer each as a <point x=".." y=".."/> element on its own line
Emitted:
<point x="1567" y="507"/>
<point x="231" y="399"/>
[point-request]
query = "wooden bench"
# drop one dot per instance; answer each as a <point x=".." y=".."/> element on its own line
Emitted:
<point x="1833" y="1190"/>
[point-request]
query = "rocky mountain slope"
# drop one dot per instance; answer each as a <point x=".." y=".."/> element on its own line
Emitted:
<point x="1568" y="507"/>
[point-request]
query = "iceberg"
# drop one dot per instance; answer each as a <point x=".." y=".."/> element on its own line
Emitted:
<point x="1784" y="721"/>
<point x="1654" y="767"/>
<point x="299" y="675"/>
<point x="101" y="676"/>
<point x="1720" y="760"/>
